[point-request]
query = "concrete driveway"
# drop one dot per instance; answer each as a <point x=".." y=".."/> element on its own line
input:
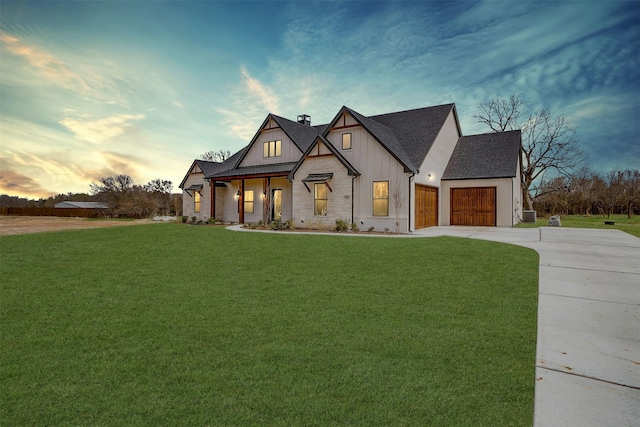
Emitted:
<point x="588" y="350"/>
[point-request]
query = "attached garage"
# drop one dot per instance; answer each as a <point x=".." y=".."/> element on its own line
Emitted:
<point x="481" y="184"/>
<point x="473" y="206"/>
<point x="426" y="206"/>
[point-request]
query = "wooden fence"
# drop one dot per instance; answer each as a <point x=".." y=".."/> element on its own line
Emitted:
<point x="67" y="212"/>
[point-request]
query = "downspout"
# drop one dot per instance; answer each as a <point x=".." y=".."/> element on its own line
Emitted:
<point x="513" y="211"/>
<point x="409" y="205"/>
<point x="352" y="193"/>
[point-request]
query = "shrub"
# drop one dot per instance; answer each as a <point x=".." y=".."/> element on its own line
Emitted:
<point x="194" y="219"/>
<point x="211" y="220"/>
<point x="278" y="225"/>
<point x="342" y="224"/>
<point x="184" y="219"/>
<point x="355" y="228"/>
<point x="370" y="229"/>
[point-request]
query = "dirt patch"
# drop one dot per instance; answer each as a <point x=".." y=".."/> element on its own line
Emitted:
<point x="38" y="224"/>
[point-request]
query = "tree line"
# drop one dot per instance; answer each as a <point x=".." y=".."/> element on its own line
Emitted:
<point x="589" y="193"/>
<point x="120" y="193"/>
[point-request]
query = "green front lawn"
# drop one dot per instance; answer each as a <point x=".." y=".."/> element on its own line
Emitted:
<point x="629" y="225"/>
<point x="170" y="324"/>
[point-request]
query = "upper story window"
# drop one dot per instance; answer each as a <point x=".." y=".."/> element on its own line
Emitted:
<point x="380" y="198"/>
<point x="272" y="149"/>
<point x="320" y="199"/>
<point x="346" y="141"/>
<point x="248" y="201"/>
<point x="196" y="202"/>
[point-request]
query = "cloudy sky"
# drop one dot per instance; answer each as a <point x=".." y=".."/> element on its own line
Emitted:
<point x="92" y="89"/>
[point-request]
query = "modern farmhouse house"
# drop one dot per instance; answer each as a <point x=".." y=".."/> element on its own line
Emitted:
<point x="399" y="171"/>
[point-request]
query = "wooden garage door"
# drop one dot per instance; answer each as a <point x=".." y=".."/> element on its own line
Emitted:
<point x="473" y="206"/>
<point x="426" y="206"/>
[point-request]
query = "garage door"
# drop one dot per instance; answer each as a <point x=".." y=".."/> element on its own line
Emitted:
<point x="426" y="206"/>
<point x="473" y="206"/>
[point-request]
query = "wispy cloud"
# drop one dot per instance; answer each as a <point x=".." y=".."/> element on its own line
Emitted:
<point x="48" y="66"/>
<point x="252" y="101"/>
<point x="99" y="131"/>
<point x="12" y="182"/>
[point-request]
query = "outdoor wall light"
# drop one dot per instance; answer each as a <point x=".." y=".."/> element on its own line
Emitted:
<point x="238" y="195"/>
<point x="429" y="175"/>
<point x="264" y="195"/>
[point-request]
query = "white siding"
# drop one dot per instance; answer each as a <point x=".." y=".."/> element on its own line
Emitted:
<point x="255" y="156"/>
<point x="374" y="163"/>
<point x="437" y="159"/>
<point x="505" y="202"/>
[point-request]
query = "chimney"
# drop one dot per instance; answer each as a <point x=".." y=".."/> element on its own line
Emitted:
<point x="304" y="119"/>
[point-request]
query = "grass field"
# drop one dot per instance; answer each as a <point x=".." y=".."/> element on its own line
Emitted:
<point x="629" y="225"/>
<point x="170" y="324"/>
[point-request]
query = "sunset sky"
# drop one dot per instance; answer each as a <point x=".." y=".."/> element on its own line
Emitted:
<point x="92" y="89"/>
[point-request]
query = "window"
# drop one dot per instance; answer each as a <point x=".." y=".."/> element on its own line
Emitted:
<point x="320" y="199"/>
<point x="346" y="141"/>
<point x="272" y="149"/>
<point x="248" y="201"/>
<point x="380" y="198"/>
<point x="196" y="202"/>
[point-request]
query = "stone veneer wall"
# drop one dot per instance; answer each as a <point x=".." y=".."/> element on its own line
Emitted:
<point x="339" y="201"/>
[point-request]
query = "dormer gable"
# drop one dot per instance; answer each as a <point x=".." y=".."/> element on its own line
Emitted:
<point x="348" y="118"/>
<point x="278" y="140"/>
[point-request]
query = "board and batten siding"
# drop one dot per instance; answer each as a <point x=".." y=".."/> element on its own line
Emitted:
<point x="506" y="203"/>
<point x="255" y="156"/>
<point x="374" y="163"/>
<point x="437" y="159"/>
<point x="338" y="200"/>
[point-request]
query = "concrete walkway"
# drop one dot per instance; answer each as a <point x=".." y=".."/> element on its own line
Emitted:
<point x="587" y="369"/>
<point x="588" y="349"/>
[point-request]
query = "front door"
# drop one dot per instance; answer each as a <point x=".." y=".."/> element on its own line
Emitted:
<point x="276" y="205"/>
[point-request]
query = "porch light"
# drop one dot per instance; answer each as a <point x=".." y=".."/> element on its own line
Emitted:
<point x="263" y="195"/>
<point x="429" y="175"/>
<point x="238" y="195"/>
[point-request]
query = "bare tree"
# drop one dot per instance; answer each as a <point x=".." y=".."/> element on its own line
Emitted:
<point x="216" y="156"/>
<point x="549" y="142"/>
<point x="625" y="189"/>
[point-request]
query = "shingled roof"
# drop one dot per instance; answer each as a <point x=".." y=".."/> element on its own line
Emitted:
<point x="406" y="135"/>
<point x="416" y="130"/>
<point x="268" y="169"/>
<point x="211" y="168"/>
<point x="489" y="155"/>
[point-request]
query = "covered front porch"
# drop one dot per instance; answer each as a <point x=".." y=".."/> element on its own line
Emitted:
<point x="251" y="196"/>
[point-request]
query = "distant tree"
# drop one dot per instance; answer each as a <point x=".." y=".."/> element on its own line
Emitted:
<point x="127" y="199"/>
<point x="216" y="156"/>
<point x="159" y="191"/>
<point x="629" y="193"/>
<point x="549" y="142"/>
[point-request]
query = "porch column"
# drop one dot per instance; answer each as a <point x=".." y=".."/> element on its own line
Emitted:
<point x="241" y="203"/>
<point x="212" y="184"/>
<point x="265" y="200"/>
